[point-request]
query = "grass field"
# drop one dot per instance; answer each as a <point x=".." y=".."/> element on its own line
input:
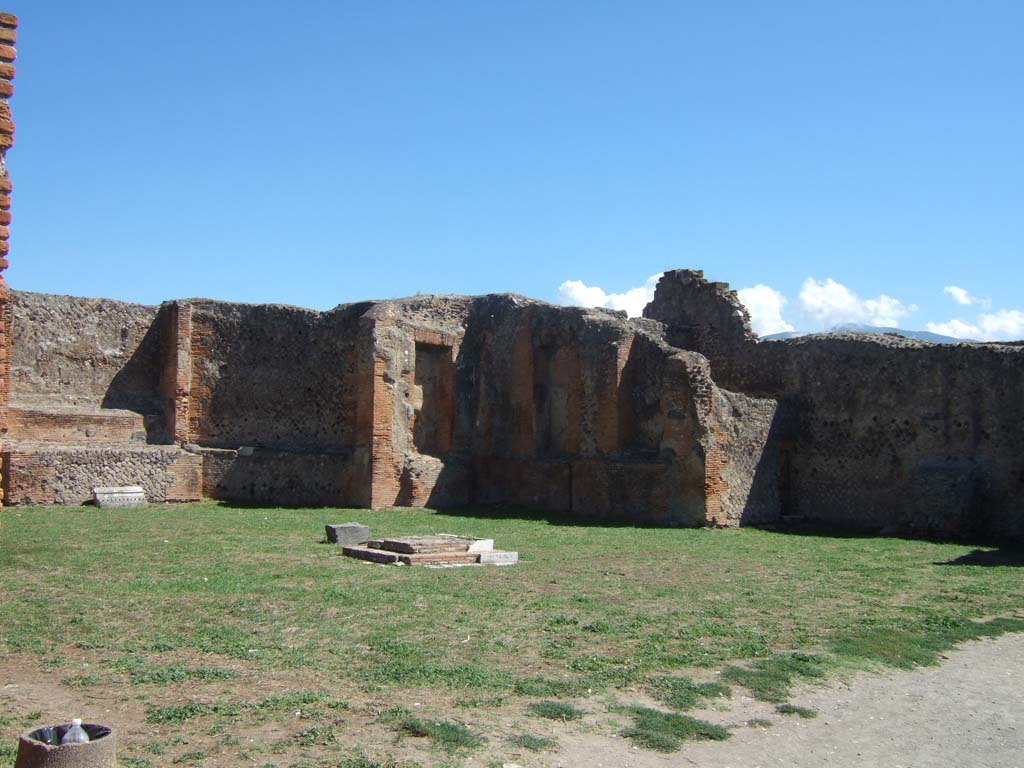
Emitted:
<point x="213" y="635"/>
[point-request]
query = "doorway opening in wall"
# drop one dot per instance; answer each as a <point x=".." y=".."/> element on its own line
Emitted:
<point x="433" y="400"/>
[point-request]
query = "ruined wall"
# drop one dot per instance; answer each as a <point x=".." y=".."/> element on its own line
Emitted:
<point x="504" y="400"/>
<point x="66" y="474"/>
<point x="870" y="431"/>
<point x="85" y="409"/>
<point x="408" y="396"/>
<point x="706" y="317"/>
<point x="927" y="438"/>
<point x="581" y="410"/>
<point x="286" y="384"/>
<point x="285" y="478"/>
<point x="742" y="468"/>
<point x="441" y="401"/>
<point x="272" y="376"/>
<point x="91" y="353"/>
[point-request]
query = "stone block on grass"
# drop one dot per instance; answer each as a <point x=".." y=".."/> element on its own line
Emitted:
<point x="497" y="557"/>
<point x="348" y="534"/>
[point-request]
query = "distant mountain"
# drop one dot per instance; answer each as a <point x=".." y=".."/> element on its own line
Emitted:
<point x="935" y="338"/>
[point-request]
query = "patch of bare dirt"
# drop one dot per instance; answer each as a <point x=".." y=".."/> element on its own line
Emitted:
<point x="969" y="711"/>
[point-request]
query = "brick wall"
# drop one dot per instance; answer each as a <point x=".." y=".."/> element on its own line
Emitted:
<point x="284" y="478"/>
<point x="278" y="377"/>
<point x="579" y="411"/>
<point x="8" y="37"/>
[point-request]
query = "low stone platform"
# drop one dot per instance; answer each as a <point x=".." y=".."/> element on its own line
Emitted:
<point x="439" y="550"/>
<point x="38" y="472"/>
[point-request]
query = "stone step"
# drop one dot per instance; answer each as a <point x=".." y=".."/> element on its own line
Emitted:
<point x="440" y="542"/>
<point x="388" y="557"/>
<point x="77" y="426"/>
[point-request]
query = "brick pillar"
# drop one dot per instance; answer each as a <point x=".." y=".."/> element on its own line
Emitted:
<point x="8" y="37"/>
<point x="176" y="368"/>
<point x="375" y="421"/>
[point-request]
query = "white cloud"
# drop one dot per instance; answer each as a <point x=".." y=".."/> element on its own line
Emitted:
<point x="765" y="306"/>
<point x="830" y="303"/>
<point x="963" y="297"/>
<point x="960" y="295"/>
<point x="958" y="329"/>
<point x="1004" y="325"/>
<point x="576" y="293"/>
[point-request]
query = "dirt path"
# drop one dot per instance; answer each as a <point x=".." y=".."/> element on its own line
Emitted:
<point x="967" y="712"/>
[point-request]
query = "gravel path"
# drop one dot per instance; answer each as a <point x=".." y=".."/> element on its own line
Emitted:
<point x="967" y="712"/>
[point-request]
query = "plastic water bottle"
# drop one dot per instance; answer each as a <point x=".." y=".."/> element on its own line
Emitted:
<point x="75" y="734"/>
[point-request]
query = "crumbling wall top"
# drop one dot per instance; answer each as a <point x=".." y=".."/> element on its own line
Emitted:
<point x="700" y="315"/>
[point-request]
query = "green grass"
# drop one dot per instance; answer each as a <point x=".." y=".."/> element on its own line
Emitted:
<point x="771" y="679"/>
<point x="317" y="735"/>
<point x="195" y="757"/>
<point x="174" y="714"/>
<point x="532" y="743"/>
<point x="80" y="681"/>
<point x="220" y="616"/>
<point x="448" y="736"/>
<point x="142" y="673"/>
<point x="361" y="761"/>
<point x="311" y="705"/>
<point x="666" y="732"/>
<point x="682" y="694"/>
<point x="555" y="710"/>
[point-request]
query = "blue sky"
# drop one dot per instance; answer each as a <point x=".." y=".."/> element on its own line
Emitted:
<point x="319" y="152"/>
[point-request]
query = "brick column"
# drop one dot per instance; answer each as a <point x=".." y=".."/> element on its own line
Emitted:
<point x="8" y="37"/>
<point x="176" y="368"/>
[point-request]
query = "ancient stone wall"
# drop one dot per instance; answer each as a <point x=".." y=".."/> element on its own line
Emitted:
<point x="284" y="477"/>
<point x="870" y="431"/>
<point x="926" y="438"/>
<point x="425" y="401"/>
<point x="272" y="376"/>
<point x="407" y="409"/>
<point x="90" y="353"/>
<point x="443" y="401"/>
<point x="51" y="474"/>
<point x="584" y="411"/>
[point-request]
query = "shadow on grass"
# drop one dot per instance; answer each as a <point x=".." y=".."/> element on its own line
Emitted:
<point x="478" y="512"/>
<point x="576" y="520"/>
<point x="989" y="558"/>
<point x="989" y="552"/>
<point x="824" y="530"/>
<point x="258" y="506"/>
